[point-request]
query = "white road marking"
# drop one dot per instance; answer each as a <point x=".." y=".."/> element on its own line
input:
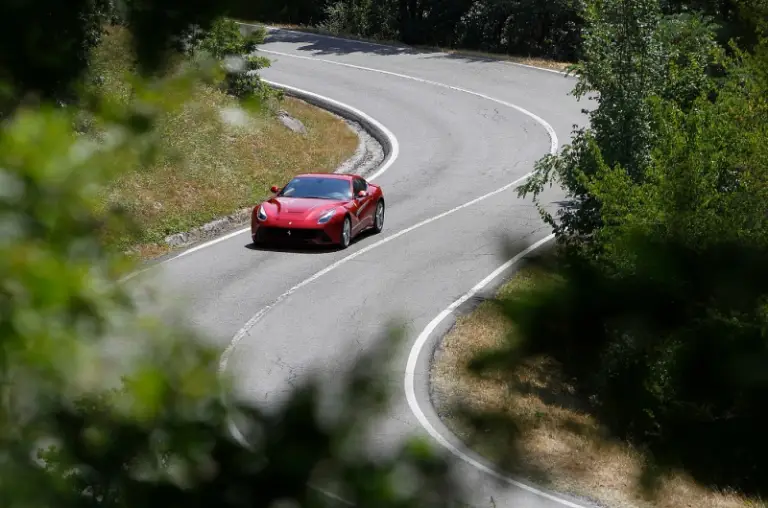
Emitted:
<point x="541" y="121"/>
<point x="391" y="46"/>
<point x="395" y="146"/>
<point x="394" y="153"/>
<point x="391" y="158"/>
<point x="259" y="315"/>
<point x="410" y="379"/>
<point x="552" y="149"/>
<point x="410" y="368"/>
<point x="243" y="332"/>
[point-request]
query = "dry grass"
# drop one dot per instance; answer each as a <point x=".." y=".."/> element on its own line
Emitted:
<point x="542" y="63"/>
<point x="209" y="166"/>
<point x="558" y="442"/>
<point x="526" y="60"/>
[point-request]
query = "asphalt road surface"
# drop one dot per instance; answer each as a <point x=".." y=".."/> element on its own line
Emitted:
<point x="454" y="147"/>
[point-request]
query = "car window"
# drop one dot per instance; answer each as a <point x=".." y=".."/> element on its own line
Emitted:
<point x="359" y="184"/>
<point x="318" y="188"/>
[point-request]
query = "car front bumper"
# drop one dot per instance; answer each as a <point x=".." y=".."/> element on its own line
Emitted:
<point x="271" y="234"/>
<point x="303" y="232"/>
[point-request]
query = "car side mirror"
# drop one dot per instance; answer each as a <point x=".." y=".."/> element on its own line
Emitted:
<point x="275" y="189"/>
<point x="361" y="194"/>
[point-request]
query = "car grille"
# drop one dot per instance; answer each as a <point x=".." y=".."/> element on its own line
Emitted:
<point x="297" y="235"/>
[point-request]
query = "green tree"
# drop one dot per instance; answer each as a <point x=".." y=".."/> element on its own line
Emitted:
<point x="632" y="54"/>
<point x="666" y="330"/>
<point x="307" y="12"/>
<point x="520" y="27"/>
<point x="45" y="44"/>
<point x="523" y="27"/>
<point x="226" y="42"/>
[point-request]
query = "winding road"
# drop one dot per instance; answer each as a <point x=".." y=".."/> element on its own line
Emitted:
<point x="466" y="129"/>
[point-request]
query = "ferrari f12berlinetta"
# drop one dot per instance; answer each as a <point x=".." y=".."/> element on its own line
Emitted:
<point x="319" y="208"/>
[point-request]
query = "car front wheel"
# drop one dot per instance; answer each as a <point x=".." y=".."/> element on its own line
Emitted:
<point x="346" y="233"/>
<point x="378" y="217"/>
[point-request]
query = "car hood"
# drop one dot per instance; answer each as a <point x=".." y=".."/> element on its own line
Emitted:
<point x="299" y="207"/>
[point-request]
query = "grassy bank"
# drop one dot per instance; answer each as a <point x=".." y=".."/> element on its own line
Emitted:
<point x="213" y="160"/>
<point x="470" y="54"/>
<point x="555" y="439"/>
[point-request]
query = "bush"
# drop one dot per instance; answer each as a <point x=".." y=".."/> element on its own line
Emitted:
<point x="548" y="30"/>
<point x="661" y="311"/>
<point x="364" y="18"/>
<point x="225" y="42"/>
<point x="523" y="27"/>
<point x="632" y="55"/>
<point x="286" y="11"/>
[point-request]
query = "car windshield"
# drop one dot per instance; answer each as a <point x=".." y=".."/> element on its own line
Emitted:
<point x="318" y="188"/>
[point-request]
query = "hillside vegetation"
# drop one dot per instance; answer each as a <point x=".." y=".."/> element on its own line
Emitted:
<point x="213" y="157"/>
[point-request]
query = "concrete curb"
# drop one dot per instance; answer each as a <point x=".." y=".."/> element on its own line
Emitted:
<point x="315" y="100"/>
<point x="362" y="161"/>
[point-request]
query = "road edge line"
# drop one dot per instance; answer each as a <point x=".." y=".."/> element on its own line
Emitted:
<point x="410" y="380"/>
<point x="554" y="143"/>
<point x="240" y="335"/>
<point x="376" y="129"/>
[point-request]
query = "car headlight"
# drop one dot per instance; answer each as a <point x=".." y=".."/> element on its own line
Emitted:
<point x="261" y="214"/>
<point x="326" y="216"/>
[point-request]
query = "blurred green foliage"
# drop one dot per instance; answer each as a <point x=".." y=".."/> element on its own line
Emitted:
<point x="45" y="44"/>
<point x="103" y="405"/>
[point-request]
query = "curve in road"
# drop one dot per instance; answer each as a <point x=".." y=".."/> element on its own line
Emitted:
<point x="455" y="143"/>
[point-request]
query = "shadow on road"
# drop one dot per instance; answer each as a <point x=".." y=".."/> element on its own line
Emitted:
<point x="298" y="248"/>
<point x="329" y="46"/>
<point x="323" y="45"/>
<point x="295" y="249"/>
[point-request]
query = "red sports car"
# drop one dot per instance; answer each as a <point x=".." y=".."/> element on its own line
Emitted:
<point x="319" y="208"/>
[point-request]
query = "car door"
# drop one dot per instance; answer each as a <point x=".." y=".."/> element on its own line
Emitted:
<point x="364" y="210"/>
